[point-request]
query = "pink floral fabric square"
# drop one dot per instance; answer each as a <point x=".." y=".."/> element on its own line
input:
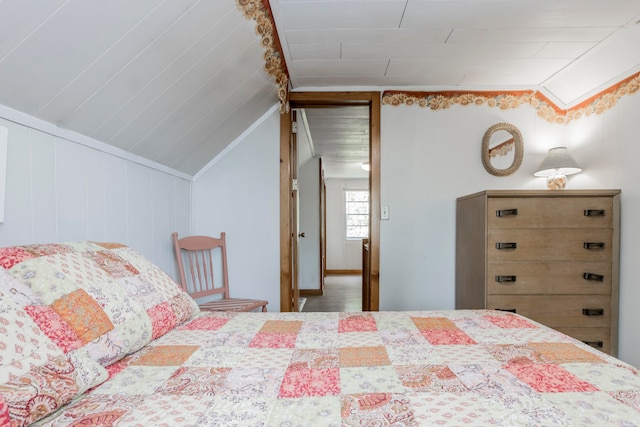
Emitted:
<point x="310" y="382"/>
<point x="447" y="336"/>
<point x="163" y="319"/>
<point x="510" y="321"/>
<point x="273" y="340"/>
<point x="205" y="324"/>
<point x="57" y="329"/>
<point x="4" y="412"/>
<point x="11" y="256"/>
<point x="357" y="323"/>
<point x="550" y="378"/>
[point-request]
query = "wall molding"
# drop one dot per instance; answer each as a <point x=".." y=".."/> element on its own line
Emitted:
<point x="505" y="100"/>
<point x="275" y="65"/>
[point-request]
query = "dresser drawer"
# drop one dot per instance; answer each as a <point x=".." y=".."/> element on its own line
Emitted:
<point x="549" y="278"/>
<point x="549" y="244"/>
<point x="599" y="338"/>
<point x="557" y="310"/>
<point x="557" y="212"/>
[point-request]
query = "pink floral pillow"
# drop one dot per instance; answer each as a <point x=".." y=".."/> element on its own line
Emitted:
<point x="101" y="297"/>
<point x="36" y="377"/>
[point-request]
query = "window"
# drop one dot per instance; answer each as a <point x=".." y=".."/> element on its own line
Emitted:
<point x="357" y="208"/>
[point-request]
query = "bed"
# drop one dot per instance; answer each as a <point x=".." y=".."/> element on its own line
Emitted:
<point x="130" y="349"/>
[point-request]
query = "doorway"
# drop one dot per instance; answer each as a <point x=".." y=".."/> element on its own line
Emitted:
<point x="288" y="193"/>
<point x="343" y="293"/>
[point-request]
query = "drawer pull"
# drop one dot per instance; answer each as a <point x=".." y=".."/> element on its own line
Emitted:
<point x="593" y="245"/>
<point x="510" y="310"/>
<point x="593" y="311"/>
<point x="594" y="212"/>
<point x="507" y="212"/>
<point x="505" y="278"/>
<point x="591" y="276"/>
<point x="506" y="245"/>
<point x="596" y="344"/>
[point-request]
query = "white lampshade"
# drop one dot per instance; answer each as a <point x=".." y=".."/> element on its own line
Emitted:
<point x="557" y="162"/>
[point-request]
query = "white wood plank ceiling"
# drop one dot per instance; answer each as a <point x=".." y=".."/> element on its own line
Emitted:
<point x="175" y="81"/>
<point x="568" y="47"/>
<point x="340" y="135"/>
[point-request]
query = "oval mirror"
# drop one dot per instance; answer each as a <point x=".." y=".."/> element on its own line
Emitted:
<point x="502" y="149"/>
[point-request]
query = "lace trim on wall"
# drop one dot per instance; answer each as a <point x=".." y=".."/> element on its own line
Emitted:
<point x="260" y="11"/>
<point x="505" y="100"/>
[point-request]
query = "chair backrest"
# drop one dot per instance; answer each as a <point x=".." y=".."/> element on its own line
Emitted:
<point x="196" y="257"/>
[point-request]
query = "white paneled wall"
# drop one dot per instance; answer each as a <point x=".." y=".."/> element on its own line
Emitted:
<point x="239" y="193"/>
<point x="60" y="191"/>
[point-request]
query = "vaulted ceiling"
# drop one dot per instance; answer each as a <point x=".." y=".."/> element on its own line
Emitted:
<point x="176" y="81"/>
<point x="172" y="81"/>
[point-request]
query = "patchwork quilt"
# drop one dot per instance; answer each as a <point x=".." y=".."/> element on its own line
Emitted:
<point x="361" y="369"/>
<point x="94" y="334"/>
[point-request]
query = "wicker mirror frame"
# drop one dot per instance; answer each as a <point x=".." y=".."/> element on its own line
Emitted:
<point x="518" y="147"/>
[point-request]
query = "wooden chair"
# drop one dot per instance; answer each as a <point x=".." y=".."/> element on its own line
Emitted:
<point x="196" y="253"/>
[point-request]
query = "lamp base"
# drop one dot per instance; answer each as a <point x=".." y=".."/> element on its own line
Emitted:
<point x="556" y="182"/>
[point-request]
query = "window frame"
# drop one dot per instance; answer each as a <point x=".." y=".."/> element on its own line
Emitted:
<point x="348" y="215"/>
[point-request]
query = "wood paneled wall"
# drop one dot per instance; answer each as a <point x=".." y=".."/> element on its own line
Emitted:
<point x="59" y="191"/>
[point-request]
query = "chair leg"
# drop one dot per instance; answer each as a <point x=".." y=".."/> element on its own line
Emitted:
<point x="264" y="308"/>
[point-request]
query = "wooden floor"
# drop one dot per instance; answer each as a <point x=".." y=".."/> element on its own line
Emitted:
<point x="341" y="293"/>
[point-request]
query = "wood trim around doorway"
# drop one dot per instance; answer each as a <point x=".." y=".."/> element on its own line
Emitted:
<point x="344" y="272"/>
<point x="311" y="292"/>
<point x="308" y="99"/>
<point x="285" y="206"/>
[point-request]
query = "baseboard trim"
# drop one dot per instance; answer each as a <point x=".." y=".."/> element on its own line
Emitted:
<point x="311" y="292"/>
<point x="343" y="272"/>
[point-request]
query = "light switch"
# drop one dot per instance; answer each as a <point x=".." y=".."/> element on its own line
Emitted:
<point x="384" y="213"/>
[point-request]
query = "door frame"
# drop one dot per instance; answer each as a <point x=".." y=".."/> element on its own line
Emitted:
<point x="323" y="224"/>
<point x="330" y="99"/>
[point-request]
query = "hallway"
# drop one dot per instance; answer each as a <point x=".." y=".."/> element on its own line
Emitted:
<point x="341" y="293"/>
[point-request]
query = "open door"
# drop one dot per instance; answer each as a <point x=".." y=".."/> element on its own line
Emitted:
<point x="289" y="294"/>
<point x="288" y="233"/>
<point x="323" y="227"/>
<point x="295" y="217"/>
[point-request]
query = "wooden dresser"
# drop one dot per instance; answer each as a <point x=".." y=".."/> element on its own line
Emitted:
<point x="552" y="256"/>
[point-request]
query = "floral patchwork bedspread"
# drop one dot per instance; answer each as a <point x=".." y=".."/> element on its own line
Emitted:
<point x="361" y="369"/>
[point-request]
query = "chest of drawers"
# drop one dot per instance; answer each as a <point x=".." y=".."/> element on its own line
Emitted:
<point x="552" y="256"/>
